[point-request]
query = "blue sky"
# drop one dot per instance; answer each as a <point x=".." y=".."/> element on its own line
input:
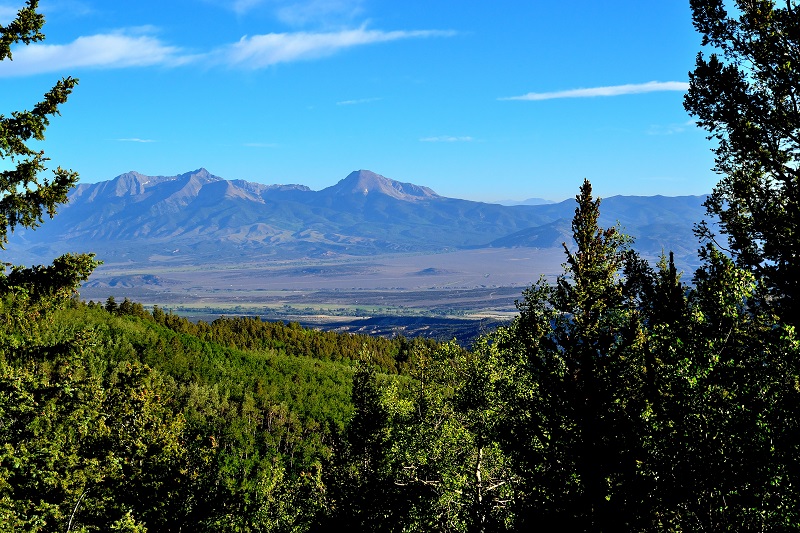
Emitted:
<point x="508" y="99"/>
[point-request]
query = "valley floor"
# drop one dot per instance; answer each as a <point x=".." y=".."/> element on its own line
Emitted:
<point x="480" y="283"/>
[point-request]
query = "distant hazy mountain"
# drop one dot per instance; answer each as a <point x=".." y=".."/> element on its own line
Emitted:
<point x="197" y="217"/>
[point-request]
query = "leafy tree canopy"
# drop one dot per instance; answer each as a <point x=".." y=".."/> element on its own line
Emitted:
<point x="745" y="94"/>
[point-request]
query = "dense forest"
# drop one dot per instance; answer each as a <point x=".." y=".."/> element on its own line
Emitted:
<point x="622" y="398"/>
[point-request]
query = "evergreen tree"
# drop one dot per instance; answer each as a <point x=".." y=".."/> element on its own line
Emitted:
<point x="571" y="393"/>
<point x="25" y="197"/>
<point x="745" y="93"/>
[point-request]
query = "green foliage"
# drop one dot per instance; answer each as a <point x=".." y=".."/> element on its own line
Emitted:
<point x="252" y="333"/>
<point x="260" y="425"/>
<point x="80" y="448"/>
<point x="362" y="495"/>
<point x="724" y="377"/>
<point x="209" y="437"/>
<point x="416" y="455"/>
<point x="449" y="462"/>
<point x="745" y="94"/>
<point x="569" y="394"/>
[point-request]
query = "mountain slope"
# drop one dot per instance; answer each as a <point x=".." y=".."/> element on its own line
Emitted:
<point x="197" y="216"/>
<point x="368" y="184"/>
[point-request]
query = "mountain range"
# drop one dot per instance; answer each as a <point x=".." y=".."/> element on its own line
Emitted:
<point x="198" y="217"/>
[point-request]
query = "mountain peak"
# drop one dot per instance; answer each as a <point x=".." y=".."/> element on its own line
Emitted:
<point x="127" y="184"/>
<point x="200" y="174"/>
<point x="366" y="182"/>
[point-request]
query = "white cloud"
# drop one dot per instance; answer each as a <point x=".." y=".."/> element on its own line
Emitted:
<point x="446" y="139"/>
<point x="613" y="90"/>
<point x="135" y="140"/>
<point x="358" y="101"/>
<point x="114" y="50"/>
<point x="137" y="47"/>
<point x="261" y="51"/>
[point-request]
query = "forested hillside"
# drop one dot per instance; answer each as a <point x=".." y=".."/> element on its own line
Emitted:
<point x="621" y="398"/>
<point x="112" y="412"/>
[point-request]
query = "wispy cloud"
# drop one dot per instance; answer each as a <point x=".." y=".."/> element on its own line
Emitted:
<point x="446" y="139"/>
<point x="138" y="47"/>
<point x="261" y="51"/>
<point x="359" y="101"/>
<point x="612" y="90"/>
<point x="112" y="50"/>
<point x="135" y="140"/>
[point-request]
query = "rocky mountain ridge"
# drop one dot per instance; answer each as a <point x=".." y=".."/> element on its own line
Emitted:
<point x="197" y="216"/>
